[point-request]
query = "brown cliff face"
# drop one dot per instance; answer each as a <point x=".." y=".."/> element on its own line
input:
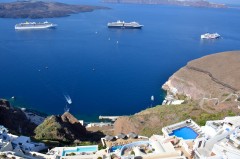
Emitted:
<point x="207" y="77"/>
<point x="14" y="119"/>
<point x="212" y="83"/>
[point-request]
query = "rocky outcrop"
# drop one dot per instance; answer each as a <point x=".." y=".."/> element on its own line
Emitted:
<point x="4" y="103"/>
<point x="211" y="76"/>
<point x="193" y="3"/>
<point x="15" y="119"/>
<point x="62" y="128"/>
<point x="41" y="9"/>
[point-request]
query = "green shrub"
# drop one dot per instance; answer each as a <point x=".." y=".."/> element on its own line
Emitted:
<point x="225" y="94"/>
<point x="71" y="154"/>
<point x="229" y="99"/>
<point x="132" y="153"/>
<point x="3" y="156"/>
<point x="230" y="113"/>
<point x="100" y="147"/>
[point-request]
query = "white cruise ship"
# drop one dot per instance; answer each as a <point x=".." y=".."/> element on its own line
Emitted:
<point x="210" y="36"/>
<point x="34" y="25"/>
<point x="122" y="24"/>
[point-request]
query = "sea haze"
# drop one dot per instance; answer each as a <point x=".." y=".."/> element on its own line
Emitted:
<point x="82" y="59"/>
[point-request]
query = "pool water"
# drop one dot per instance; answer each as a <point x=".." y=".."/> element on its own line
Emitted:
<point x="185" y="133"/>
<point x="114" y="148"/>
<point x="81" y="149"/>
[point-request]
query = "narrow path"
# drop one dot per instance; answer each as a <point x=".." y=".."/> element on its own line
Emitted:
<point x="201" y="104"/>
<point x="212" y="77"/>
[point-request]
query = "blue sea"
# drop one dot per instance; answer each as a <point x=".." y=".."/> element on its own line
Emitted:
<point x="107" y="71"/>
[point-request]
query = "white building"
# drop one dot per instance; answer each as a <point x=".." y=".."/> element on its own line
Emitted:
<point x="26" y="144"/>
<point x="222" y="139"/>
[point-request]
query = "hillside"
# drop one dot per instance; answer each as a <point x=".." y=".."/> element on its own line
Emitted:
<point x="15" y="119"/>
<point x="209" y="86"/>
<point x="64" y="128"/>
<point x="213" y="76"/>
<point x="192" y="3"/>
<point x="41" y="9"/>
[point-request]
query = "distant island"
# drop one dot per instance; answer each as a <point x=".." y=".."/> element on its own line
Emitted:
<point x="192" y="3"/>
<point x="42" y="9"/>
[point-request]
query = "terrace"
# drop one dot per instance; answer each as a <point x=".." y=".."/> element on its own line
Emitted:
<point x="187" y="125"/>
<point x="122" y="139"/>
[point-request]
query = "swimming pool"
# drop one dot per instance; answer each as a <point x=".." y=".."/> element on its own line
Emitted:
<point x="114" y="148"/>
<point x="80" y="149"/>
<point x="185" y="133"/>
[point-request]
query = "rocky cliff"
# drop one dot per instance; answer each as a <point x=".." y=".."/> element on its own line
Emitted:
<point x="213" y="76"/>
<point x="212" y="85"/>
<point x="15" y="119"/>
<point x="62" y="128"/>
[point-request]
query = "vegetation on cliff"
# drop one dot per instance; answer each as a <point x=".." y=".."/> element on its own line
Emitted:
<point x="65" y="129"/>
<point x="151" y="121"/>
<point x="56" y="130"/>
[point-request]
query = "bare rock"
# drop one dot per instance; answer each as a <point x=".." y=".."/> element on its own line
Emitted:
<point x="211" y="76"/>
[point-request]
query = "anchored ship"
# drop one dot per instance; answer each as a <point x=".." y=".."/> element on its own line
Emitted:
<point x="210" y="36"/>
<point x="122" y="24"/>
<point x="34" y="25"/>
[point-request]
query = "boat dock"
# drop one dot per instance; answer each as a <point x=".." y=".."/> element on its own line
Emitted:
<point x="112" y="118"/>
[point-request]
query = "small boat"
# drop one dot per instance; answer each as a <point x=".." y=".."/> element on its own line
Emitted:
<point x="68" y="99"/>
<point x="210" y="36"/>
<point x="152" y="98"/>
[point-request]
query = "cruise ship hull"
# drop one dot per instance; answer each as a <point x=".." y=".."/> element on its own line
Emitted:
<point x="126" y="27"/>
<point x="35" y="27"/>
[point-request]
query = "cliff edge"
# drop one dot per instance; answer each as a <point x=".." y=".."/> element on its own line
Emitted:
<point x="210" y="87"/>
<point x="212" y="76"/>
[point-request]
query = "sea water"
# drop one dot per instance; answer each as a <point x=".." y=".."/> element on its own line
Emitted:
<point x="107" y="71"/>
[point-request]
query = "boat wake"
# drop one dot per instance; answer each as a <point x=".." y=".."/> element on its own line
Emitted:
<point x="66" y="109"/>
<point x="68" y="99"/>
